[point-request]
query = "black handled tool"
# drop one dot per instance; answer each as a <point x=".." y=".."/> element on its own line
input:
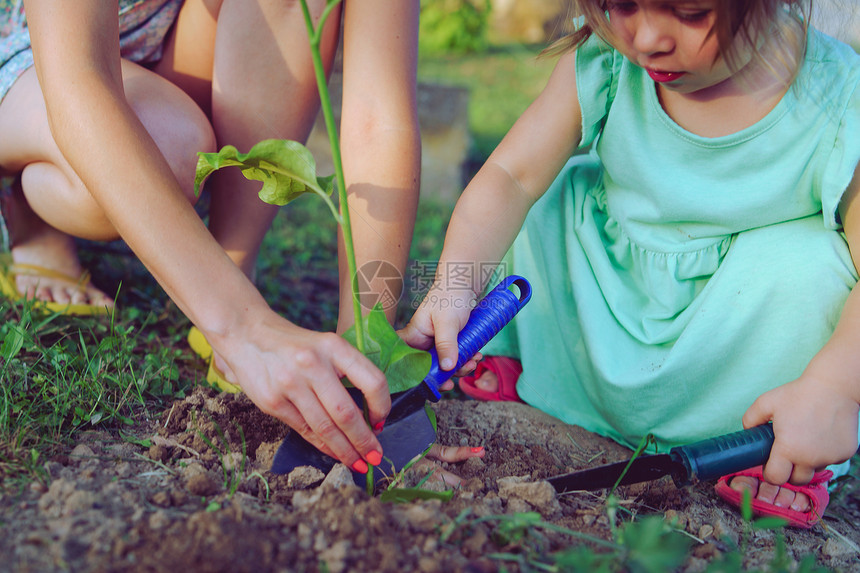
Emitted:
<point x="699" y="461"/>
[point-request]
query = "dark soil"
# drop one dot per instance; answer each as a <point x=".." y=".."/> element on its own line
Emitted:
<point x="197" y="496"/>
<point x="191" y="491"/>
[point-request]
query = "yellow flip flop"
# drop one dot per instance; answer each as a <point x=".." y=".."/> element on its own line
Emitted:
<point x="201" y="347"/>
<point x="9" y="270"/>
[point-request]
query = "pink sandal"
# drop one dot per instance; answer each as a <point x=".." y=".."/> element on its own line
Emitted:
<point x="816" y="490"/>
<point x="507" y="370"/>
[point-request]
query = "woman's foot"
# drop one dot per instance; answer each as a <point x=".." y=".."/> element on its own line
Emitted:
<point x="50" y="272"/>
<point x="49" y="267"/>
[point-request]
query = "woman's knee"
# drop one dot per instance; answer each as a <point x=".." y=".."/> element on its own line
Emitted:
<point x="178" y="126"/>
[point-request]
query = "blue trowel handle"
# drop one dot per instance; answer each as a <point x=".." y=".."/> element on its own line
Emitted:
<point x="724" y="455"/>
<point x="490" y="315"/>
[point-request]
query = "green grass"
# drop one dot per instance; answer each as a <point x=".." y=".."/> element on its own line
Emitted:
<point x="297" y="267"/>
<point x="502" y="83"/>
<point x="60" y="375"/>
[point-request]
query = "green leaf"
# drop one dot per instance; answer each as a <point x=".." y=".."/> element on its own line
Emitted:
<point x="769" y="523"/>
<point x="431" y="413"/>
<point x="583" y="559"/>
<point x="13" y="342"/>
<point x="145" y="442"/>
<point x="403" y="366"/>
<point x="652" y="546"/>
<point x="746" y="505"/>
<point x="515" y="527"/>
<point x="403" y="495"/>
<point x="286" y="168"/>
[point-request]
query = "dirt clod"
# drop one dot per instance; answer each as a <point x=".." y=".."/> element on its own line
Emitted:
<point x="304" y="477"/>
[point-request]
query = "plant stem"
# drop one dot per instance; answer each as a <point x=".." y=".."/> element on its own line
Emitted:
<point x="315" y="35"/>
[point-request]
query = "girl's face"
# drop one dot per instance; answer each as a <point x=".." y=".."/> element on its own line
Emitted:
<point x="671" y="40"/>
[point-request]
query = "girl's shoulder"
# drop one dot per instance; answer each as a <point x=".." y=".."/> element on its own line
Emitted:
<point x="598" y="70"/>
<point x="831" y="71"/>
<point x="836" y="59"/>
<point x="597" y="55"/>
<point x="824" y="48"/>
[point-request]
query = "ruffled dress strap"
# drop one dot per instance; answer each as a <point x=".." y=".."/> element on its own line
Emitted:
<point x="597" y="69"/>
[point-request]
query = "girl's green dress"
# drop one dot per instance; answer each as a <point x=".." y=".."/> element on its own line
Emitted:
<point x="677" y="277"/>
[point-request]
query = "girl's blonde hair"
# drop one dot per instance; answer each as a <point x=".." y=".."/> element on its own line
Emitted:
<point x="743" y="20"/>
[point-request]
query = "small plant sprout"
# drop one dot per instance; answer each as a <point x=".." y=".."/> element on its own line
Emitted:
<point x="232" y="463"/>
<point x="287" y="171"/>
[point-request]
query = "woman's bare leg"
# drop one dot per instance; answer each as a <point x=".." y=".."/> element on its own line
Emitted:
<point x="274" y="98"/>
<point x="262" y="86"/>
<point x="51" y="204"/>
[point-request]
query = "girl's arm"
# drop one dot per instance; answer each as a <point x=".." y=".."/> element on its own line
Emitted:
<point x="289" y="372"/>
<point x="380" y="136"/>
<point x="815" y="417"/>
<point x="494" y="205"/>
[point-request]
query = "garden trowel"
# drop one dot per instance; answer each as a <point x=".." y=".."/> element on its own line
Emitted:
<point x="408" y="430"/>
<point x="699" y="461"/>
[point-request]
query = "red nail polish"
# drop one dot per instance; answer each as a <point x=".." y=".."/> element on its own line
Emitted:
<point x="378" y="427"/>
<point x="477" y="450"/>
<point x="360" y="467"/>
<point x="374" y="457"/>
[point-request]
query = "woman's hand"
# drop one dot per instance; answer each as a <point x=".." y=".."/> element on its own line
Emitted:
<point x="814" y="424"/>
<point x="295" y="375"/>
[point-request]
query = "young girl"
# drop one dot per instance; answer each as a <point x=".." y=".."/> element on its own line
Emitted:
<point x="102" y="135"/>
<point x="691" y="271"/>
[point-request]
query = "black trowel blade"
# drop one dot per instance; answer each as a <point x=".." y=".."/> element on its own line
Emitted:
<point x="408" y="433"/>
<point x="295" y="452"/>
<point x="402" y="442"/>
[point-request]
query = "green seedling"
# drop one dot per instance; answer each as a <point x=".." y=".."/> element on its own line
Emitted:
<point x="287" y="170"/>
<point x="404" y="495"/>
<point x="142" y="442"/>
<point x="259" y="476"/>
<point x="231" y="473"/>
<point x="399" y="495"/>
<point x="643" y="443"/>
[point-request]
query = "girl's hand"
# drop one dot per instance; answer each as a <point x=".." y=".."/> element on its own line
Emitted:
<point x="814" y="424"/>
<point x="294" y="375"/>
<point x="439" y="319"/>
